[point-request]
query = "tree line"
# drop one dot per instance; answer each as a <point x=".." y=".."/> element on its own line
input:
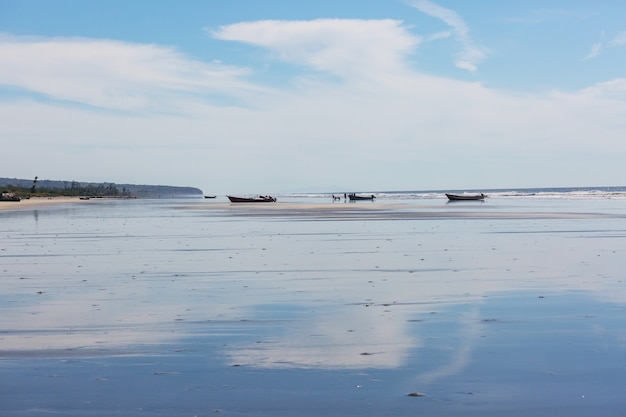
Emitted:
<point x="70" y="189"/>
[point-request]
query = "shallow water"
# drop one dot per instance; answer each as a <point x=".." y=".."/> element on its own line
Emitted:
<point x="172" y="307"/>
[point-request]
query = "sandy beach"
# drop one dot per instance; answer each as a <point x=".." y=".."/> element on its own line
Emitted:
<point x="28" y="203"/>
<point x="188" y="308"/>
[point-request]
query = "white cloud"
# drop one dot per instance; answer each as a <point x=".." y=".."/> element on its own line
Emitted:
<point x="472" y="54"/>
<point x="113" y="74"/>
<point x="608" y="90"/>
<point x="392" y="127"/>
<point x="345" y="48"/>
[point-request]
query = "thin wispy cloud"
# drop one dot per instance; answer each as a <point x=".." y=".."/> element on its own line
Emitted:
<point x="596" y="49"/>
<point x="617" y="41"/>
<point x="472" y="54"/>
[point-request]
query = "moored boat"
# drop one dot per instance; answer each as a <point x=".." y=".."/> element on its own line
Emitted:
<point x="9" y="197"/>
<point x="465" y="197"/>
<point x="259" y="199"/>
<point x="354" y="197"/>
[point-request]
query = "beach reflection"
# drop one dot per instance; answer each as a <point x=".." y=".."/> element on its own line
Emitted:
<point x="289" y="291"/>
<point x="361" y="337"/>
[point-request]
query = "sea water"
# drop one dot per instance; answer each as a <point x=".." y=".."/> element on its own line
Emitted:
<point x="189" y="307"/>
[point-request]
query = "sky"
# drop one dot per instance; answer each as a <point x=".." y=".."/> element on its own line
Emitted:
<point x="271" y="96"/>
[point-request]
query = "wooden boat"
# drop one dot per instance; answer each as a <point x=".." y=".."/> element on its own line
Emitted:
<point x="9" y="197"/>
<point x="465" y="197"/>
<point x="259" y="199"/>
<point x="354" y="197"/>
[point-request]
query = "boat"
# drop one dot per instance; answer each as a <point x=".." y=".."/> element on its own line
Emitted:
<point x="9" y="197"/>
<point x="209" y="196"/>
<point x="259" y="199"/>
<point x="354" y="197"/>
<point x="465" y="197"/>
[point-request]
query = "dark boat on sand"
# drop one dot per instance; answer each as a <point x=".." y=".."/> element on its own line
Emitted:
<point x="9" y="197"/>
<point x="259" y="199"/>
<point x="465" y="197"/>
<point x="354" y="197"/>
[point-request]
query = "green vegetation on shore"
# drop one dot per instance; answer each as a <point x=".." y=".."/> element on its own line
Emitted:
<point x="51" y="188"/>
<point x="75" y="189"/>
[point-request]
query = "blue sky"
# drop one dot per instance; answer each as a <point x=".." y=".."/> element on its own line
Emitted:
<point x="275" y="96"/>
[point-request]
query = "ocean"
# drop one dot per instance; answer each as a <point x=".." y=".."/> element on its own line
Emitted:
<point x="408" y="305"/>
<point x="567" y="193"/>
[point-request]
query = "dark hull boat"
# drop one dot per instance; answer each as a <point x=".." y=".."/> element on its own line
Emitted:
<point x="9" y="197"/>
<point x="259" y="199"/>
<point x="354" y="197"/>
<point x="209" y="196"/>
<point x="465" y="197"/>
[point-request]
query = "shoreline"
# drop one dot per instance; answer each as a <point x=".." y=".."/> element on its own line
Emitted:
<point x="335" y="211"/>
<point x="388" y="211"/>
<point x="36" y="202"/>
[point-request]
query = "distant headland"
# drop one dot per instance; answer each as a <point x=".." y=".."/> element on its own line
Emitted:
<point x="52" y="188"/>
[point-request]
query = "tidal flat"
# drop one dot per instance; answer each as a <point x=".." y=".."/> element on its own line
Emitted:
<point x="192" y="308"/>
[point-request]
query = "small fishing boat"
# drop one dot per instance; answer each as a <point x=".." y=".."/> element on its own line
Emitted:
<point x="9" y="197"/>
<point x="465" y="197"/>
<point x="259" y="199"/>
<point x="354" y="197"/>
<point x="209" y="196"/>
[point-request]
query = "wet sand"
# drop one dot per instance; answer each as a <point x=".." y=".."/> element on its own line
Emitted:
<point x="168" y="308"/>
<point x="29" y="203"/>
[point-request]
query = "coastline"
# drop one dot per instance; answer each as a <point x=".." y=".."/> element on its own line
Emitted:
<point x="387" y="210"/>
<point x="383" y="210"/>
<point x="36" y="202"/>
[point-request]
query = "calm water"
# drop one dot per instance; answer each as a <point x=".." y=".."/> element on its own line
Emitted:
<point x="537" y="194"/>
<point x="188" y="307"/>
